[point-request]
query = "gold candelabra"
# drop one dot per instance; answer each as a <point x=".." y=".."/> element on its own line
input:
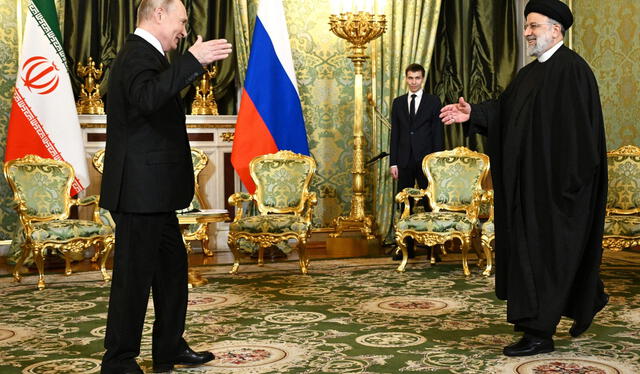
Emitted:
<point x="205" y="102"/>
<point x="89" y="101"/>
<point x="358" y="28"/>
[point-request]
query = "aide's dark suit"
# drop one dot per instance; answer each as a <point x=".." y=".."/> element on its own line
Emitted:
<point x="148" y="175"/>
<point x="412" y="140"/>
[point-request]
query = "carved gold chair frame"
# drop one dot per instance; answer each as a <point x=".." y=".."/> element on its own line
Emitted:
<point x="622" y="220"/>
<point x="303" y="209"/>
<point x="54" y="209"/>
<point x="467" y="211"/>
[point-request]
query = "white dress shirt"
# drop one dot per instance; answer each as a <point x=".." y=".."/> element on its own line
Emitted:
<point x="146" y="35"/>
<point x="418" y="97"/>
<point x="547" y="55"/>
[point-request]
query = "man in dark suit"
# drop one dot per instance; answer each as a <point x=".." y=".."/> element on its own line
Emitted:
<point x="416" y="131"/>
<point x="147" y="176"/>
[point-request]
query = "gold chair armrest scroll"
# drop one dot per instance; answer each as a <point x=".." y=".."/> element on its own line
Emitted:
<point x="238" y="199"/>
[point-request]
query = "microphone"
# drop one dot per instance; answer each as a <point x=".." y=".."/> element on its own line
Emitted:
<point x="379" y="156"/>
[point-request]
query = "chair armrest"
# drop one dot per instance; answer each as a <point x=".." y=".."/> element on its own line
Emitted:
<point x="487" y="198"/>
<point x="473" y="210"/>
<point x="404" y="196"/>
<point x="311" y="201"/>
<point x="238" y="199"/>
<point x="88" y="200"/>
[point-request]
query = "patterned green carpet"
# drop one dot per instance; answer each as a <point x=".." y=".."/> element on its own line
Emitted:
<point x="349" y="316"/>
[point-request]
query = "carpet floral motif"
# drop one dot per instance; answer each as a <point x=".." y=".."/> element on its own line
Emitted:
<point x="345" y="317"/>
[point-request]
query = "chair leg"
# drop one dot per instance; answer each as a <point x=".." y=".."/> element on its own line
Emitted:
<point x="465" y="254"/>
<point x="405" y="254"/>
<point x="302" y="254"/>
<point x="261" y="255"/>
<point x="107" y="248"/>
<point x="26" y="249"/>
<point x="488" y="253"/>
<point x="233" y="246"/>
<point x="205" y="247"/>
<point x="37" y="256"/>
<point x="67" y="264"/>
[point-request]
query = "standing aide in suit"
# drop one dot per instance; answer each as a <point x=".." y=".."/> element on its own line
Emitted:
<point x="416" y="131"/>
<point x="148" y="175"/>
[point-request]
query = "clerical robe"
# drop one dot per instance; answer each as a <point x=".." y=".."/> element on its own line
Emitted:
<point x="547" y="146"/>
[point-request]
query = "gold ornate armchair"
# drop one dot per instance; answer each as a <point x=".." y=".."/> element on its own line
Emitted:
<point x="284" y="202"/>
<point x="622" y="222"/>
<point x="454" y="194"/>
<point x="41" y="189"/>
<point x="191" y="232"/>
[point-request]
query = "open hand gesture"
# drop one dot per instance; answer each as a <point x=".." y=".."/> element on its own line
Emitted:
<point x="458" y="112"/>
<point x="210" y="51"/>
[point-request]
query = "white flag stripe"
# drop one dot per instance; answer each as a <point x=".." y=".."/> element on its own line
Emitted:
<point x="271" y="14"/>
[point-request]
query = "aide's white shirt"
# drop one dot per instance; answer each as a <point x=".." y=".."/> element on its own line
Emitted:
<point x="418" y="98"/>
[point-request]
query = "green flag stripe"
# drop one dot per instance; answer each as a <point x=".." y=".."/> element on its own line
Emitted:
<point x="48" y="10"/>
<point x="44" y="12"/>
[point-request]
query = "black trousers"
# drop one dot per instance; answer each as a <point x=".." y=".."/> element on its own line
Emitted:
<point x="149" y="256"/>
<point x="407" y="176"/>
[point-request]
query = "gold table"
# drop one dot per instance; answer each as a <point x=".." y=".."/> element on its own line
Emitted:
<point x="204" y="217"/>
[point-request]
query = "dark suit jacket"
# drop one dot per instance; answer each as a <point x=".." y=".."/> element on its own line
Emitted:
<point x="423" y="136"/>
<point x="147" y="165"/>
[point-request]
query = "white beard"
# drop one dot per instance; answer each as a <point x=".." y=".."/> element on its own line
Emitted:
<point x="543" y="42"/>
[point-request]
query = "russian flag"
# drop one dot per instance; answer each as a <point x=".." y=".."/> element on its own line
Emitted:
<point x="270" y="116"/>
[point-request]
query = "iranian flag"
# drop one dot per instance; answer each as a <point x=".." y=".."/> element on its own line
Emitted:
<point x="44" y="120"/>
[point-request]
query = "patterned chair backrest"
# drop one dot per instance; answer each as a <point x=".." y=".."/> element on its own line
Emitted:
<point x="623" y="195"/>
<point x="453" y="177"/>
<point x="41" y="186"/>
<point x="282" y="181"/>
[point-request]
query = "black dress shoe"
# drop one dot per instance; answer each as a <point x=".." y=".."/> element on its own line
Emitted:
<point x="578" y="328"/>
<point x="529" y="345"/>
<point x="187" y="358"/>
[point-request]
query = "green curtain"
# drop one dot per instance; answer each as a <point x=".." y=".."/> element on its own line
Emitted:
<point x="410" y="37"/>
<point x="475" y="56"/>
<point x="99" y="28"/>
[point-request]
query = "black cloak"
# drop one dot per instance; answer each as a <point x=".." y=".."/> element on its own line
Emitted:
<point x="549" y="169"/>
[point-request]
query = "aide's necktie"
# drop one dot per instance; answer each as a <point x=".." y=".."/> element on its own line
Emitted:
<point x="412" y="107"/>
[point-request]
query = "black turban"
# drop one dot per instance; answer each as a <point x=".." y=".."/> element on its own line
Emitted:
<point x="554" y="9"/>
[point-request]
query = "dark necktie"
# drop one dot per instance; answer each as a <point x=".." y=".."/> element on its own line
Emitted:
<point x="412" y="107"/>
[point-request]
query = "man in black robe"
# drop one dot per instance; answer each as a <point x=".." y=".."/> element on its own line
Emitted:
<point x="547" y="146"/>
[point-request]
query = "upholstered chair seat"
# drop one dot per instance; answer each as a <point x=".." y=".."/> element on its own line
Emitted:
<point x="283" y="203"/>
<point x="272" y="224"/>
<point x="436" y="222"/>
<point x="68" y="229"/>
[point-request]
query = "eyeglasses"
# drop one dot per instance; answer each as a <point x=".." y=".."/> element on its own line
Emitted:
<point x="534" y="26"/>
